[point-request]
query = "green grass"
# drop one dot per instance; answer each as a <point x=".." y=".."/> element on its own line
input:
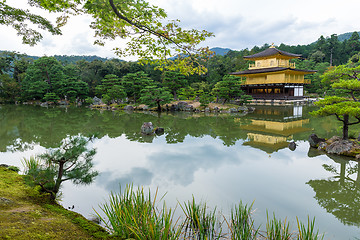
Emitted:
<point x="135" y="215"/>
<point x="276" y="229"/>
<point x="132" y="214"/>
<point x="241" y="223"/>
<point x="199" y="223"/>
<point x="26" y="213"/>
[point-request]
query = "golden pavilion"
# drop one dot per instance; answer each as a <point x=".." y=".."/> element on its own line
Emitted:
<point x="273" y="76"/>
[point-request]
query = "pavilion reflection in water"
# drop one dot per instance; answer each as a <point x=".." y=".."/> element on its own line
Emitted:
<point x="273" y="128"/>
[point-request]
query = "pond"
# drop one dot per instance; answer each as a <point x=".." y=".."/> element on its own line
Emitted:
<point x="220" y="159"/>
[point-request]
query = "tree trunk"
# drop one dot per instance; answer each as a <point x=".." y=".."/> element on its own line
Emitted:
<point x="346" y="126"/>
<point x="58" y="179"/>
<point x="158" y="106"/>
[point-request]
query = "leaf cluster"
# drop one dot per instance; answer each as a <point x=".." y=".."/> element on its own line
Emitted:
<point x="71" y="161"/>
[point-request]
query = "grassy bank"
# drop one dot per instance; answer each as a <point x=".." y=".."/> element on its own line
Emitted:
<point x="27" y="214"/>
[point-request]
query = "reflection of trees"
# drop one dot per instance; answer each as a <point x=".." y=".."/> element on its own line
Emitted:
<point x="340" y="194"/>
<point x="48" y="126"/>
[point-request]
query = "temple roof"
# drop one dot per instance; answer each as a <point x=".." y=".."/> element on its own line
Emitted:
<point x="273" y="69"/>
<point x="271" y="52"/>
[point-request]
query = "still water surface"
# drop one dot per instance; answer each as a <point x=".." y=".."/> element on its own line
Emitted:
<point x="218" y="159"/>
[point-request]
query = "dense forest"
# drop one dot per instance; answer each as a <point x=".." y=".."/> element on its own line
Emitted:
<point x="76" y="78"/>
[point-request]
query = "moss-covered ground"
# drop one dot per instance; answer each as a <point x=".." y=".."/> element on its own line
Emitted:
<point x="25" y="213"/>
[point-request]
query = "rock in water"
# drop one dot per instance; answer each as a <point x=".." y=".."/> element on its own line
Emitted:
<point x="292" y="146"/>
<point x="159" y="131"/>
<point x="314" y="140"/>
<point x="339" y="147"/>
<point x="147" y="128"/>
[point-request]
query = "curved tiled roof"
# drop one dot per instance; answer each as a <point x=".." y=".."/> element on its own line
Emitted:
<point x="265" y="70"/>
<point x="271" y="52"/>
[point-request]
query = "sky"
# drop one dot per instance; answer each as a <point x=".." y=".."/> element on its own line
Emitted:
<point x="237" y="24"/>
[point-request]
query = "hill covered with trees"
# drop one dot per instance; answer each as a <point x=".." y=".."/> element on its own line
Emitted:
<point x="24" y="78"/>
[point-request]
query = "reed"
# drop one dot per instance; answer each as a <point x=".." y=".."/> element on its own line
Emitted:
<point x="241" y="225"/>
<point x="33" y="163"/>
<point x="276" y="229"/>
<point x="199" y="223"/>
<point x="308" y="232"/>
<point x="134" y="214"/>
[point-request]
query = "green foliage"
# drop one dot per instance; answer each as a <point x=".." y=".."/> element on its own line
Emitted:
<point x="199" y="223"/>
<point x="13" y="168"/>
<point x="134" y="83"/>
<point x="111" y="89"/>
<point x="276" y="229"/>
<point x="88" y="100"/>
<point x="342" y="108"/>
<point x="150" y="35"/>
<point x="173" y="81"/>
<point x="47" y="75"/>
<point x="345" y="80"/>
<point x="152" y="95"/>
<point x="71" y="161"/>
<point x="9" y="88"/>
<point x="187" y="93"/>
<point x="50" y="97"/>
<point x="241" y="223"/>
<point x="19" y="19"/>
<point x="229" y="88"/>
<point x="308" y="232"/>
<point x="135" y="215"/>
<point x="205" y="99"/>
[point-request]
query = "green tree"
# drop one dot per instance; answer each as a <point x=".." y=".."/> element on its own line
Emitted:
<point x="150" y="35"/>
<point x="187" y="93"/>
<point x="229" y="88"/>
<point x="45" y="75"/>
<point x="20" y="66"/>
<point x="345" y="106"/>
<point x="51" y="97"/>
<point x="343" y="109"/>
<point x="111" y="88"/>
<point x="353" y="44"/>
<point x="173" y="81"/>
<point x="153" y="95"/>
<point x="91" y="73"/>
<point x="19" y="19"/>
<point x="134" y="83"/>
<point x="71" y="161"/>
<point x="9" y="88"/>
<point x="116" y="93"/>
<point x="205" y="99"/>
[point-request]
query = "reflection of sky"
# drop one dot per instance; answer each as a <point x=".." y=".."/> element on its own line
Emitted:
<point x="205" y="168"/>
<point x="219" y="175"/>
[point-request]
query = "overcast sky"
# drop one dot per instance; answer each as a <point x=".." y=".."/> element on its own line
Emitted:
<point x="237" y="24"/>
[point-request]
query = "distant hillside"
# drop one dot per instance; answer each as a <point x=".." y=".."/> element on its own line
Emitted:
<point x="345" y="36"/>
<point x="70" y="59"/>
<point x="220" y="51"/>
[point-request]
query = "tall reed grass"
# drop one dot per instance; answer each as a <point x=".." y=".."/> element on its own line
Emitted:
<point x="276" y="229"/>
<point x="134" y="214"/>
<point x="241" y="224"/>
<point x="199" y="223"/>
